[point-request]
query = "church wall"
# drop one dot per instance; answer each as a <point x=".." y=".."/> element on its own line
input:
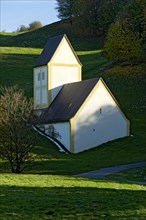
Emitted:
<point x="61" y="75"/>
<point x="64" y="54"/>
<point x="99" y="121"/>
<point x="59" y="131"/>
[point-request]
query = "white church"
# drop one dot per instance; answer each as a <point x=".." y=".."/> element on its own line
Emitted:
<point x="78" y="114"/>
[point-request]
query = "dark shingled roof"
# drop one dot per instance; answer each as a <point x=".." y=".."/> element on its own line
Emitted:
<point x="67" y="102"/>
<point x="48" y="50"/>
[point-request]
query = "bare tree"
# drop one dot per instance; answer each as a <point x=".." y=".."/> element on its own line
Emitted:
<point x="16" y="135"/>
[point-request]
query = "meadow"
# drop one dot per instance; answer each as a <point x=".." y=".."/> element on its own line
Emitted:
<point x="47" y="189"/>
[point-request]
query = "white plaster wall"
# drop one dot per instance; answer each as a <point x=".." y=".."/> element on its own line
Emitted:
<point x="65" y="54"/>
<point x="62" y="75"/>
<point x="63" y="131"/>
<point x="100" y="121"/>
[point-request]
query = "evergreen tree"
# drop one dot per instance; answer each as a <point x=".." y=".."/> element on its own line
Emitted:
<point x="122" y="44"/>
<point x="65" y="9"/>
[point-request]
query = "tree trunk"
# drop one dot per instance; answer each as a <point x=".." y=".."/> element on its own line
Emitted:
<point x="18" y="168"/>
<point x="12" y="169"/>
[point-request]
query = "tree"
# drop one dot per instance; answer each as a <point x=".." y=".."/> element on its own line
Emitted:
<point x="16" y="135"/>
<point x="122" y="44"/>
<point x="65" y="9"/>
<point x="107" y="13"/>
<point x="35" y="25"/>
<point x="22" y="28"/>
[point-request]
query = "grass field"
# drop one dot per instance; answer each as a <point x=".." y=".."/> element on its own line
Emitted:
<point x="64" y="197"/>
<point x="136" y="174"/>
<point x="46" y="190"/>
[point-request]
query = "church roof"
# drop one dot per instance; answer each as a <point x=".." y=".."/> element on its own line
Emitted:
<point x="67" y="102"/>
<point x="48" y="50"/>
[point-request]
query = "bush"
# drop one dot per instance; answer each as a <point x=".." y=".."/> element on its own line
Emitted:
<point x="122" y="44"/>
<point x="35" y="25"/>
<point x="22" y="28"/>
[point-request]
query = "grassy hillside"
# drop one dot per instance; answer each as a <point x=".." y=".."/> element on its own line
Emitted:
<point x="18" y="55"/>
<point x="45" y="190"/>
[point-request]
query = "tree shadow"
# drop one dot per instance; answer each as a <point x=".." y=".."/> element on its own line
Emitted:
<point x="71" y="203"/>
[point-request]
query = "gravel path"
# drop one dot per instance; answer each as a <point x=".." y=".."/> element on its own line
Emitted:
<point x="104" y="172"/>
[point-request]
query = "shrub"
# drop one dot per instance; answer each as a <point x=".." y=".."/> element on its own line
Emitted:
<point x="35" y="25"/>
<point x="122" y="44"/>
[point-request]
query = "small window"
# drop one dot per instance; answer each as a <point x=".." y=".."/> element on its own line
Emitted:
<point x="43" y="75"/>
<point x="39" y="76"/>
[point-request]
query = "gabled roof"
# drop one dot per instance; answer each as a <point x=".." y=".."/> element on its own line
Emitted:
<point x="50" y="48"/>
<point x="67" y="102"/>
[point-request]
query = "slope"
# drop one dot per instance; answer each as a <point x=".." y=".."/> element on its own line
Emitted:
<point x="19" y="53"/>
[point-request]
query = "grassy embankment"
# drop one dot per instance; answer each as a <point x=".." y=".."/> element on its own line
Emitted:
<point x="37" y="196"/>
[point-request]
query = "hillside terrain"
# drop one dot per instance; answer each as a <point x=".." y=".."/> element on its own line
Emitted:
<point x="126" y="82"/>
<point x="45" y="190"/>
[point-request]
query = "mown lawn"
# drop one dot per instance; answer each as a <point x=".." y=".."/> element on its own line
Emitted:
<point x="64" y="197"/>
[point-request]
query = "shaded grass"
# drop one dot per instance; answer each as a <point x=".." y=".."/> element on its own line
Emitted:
<point x="48" y="160"/>
<point x="38" y="38"/>
<point x="60" y="197"/>
<point x="135" y="174"/>
<point x="16" y="67"/>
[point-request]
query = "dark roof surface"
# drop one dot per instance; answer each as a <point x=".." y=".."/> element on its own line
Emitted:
<point x="48" y="50"/>
<point x="67" y="102"/>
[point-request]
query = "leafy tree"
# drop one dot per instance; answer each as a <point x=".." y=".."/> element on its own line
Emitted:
<point x="122" y="44"/>
<point x="134" y="12"/>
<point x="16" y="136"/>
<point x="35" y="25"/>
<point x="22" y="28"/>
<point x="65" y="9"/>
<point x="107" y="12"/>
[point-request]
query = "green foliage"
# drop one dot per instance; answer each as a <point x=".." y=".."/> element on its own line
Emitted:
<point x="22" y="28"/>
<point x="122" y="44"/>
<point x="35" y="25"/>
<point x="32" y="26"/>
<point x="107" y="13"/>
<point x="65" y="9"/>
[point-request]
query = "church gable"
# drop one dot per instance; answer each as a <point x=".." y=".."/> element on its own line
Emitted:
<point x="65" y="54"/>
<point x="48" y="51"/>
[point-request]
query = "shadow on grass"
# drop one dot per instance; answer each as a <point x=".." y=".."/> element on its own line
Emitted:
<point x="16" y="69"/>
<point x="71" y="203"/>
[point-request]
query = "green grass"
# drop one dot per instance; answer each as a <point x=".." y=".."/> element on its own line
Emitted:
<point x="135" y="174"/>
<point x="46" y="190"/>
<point x="64" y="197"/>
<point x="16" y="67"/>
